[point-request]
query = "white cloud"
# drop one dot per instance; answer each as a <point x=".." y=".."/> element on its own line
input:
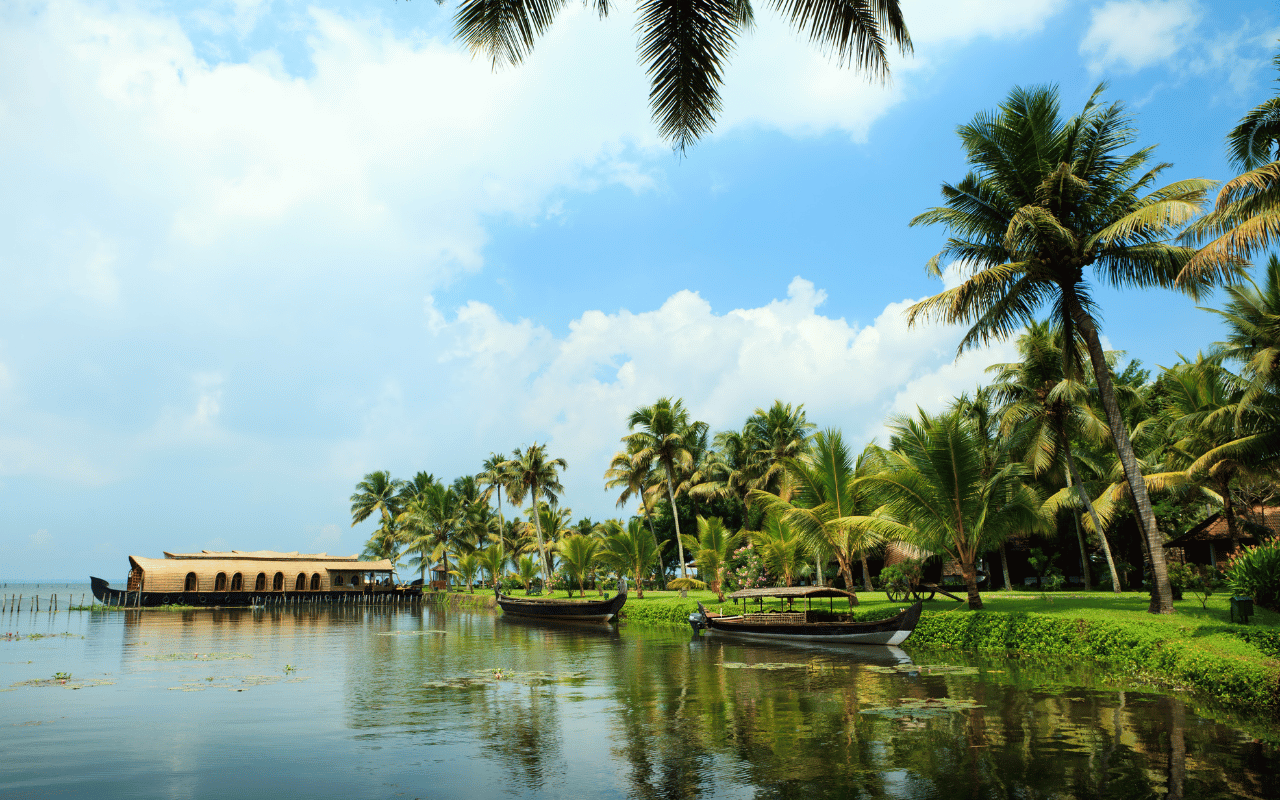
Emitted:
<point x="518" y="383"/>
<point x="1129" y="35"/>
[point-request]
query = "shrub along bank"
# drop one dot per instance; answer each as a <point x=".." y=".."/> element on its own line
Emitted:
<point x="1195" y="648"/>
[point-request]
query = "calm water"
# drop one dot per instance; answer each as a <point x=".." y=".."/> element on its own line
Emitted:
<point x="343" y="703"/>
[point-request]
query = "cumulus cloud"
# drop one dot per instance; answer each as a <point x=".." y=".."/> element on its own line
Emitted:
<point x="1129" y="35"/>
<point x="519" y="383"/>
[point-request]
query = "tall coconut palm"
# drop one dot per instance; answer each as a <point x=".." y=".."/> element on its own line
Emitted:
<point x="1246" y="217"/>
<point x="777" y="434"/>
<point x="377" y="493"/>
<point x="1052" y="410"/>
<point x="938" y="500"/>
<point x="686" y="46"/>
<point x="1048" y="198"/>
<point x="431" y="525"/>
<point x="493" y="479"/>
<point x="666" y="441"/>
<point x="537" y="477"/>
<point x="831" y="508"/>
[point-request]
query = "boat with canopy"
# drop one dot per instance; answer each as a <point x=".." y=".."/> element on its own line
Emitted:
<point x="808" y="624"/>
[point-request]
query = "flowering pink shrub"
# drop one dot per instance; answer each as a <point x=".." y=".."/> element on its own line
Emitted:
<point x="746" y="570"/>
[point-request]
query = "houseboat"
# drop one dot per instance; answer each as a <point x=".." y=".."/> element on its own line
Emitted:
<point x="244" y="578"/>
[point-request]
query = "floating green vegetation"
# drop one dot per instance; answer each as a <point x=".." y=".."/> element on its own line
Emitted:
<point x="925" y="669"/>
<point x="19" y="637"/>
<point x="913" y="708"/>
<point x="231" y="683"/>
<point x="66" y="683"/>
<point x="764" y="665"/>
<point x="196" y="657"/>
<point x="491" y="677"/>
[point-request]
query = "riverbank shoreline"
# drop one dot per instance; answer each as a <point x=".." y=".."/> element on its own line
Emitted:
<point x="1196" y="649"/>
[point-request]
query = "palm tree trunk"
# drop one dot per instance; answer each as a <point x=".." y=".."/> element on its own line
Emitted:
<point x="1004" y="567"/>
<point x="1075" y="518"/>
<point x="542" y="554"/>
<point x="817" y="570"/>
<point x="1162" y="597"/>
<point x="846" y="571"/>
<point x="675" y="515"/>
<point x="1229" y="511"/>
<point x="866" y="571"/>
<point x="971" y="585"/>
<point x="1097" y="523"/>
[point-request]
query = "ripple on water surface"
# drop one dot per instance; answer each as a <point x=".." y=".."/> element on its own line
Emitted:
<point x="354" y="703"/>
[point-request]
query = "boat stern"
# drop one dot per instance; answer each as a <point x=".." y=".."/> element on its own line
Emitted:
<point x="698" y="620"/>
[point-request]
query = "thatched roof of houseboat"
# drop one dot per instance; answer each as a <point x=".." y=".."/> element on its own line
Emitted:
<point x="251" y="564"/>
<point x="261" y="555"/>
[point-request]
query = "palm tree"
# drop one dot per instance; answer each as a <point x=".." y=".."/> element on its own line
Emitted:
<point x="578" y="555"/>
<point x="624" y="473"/>
<point x="1246" y="218"/>
<point x="631" y="550"/>
<point x="494" y="478"/>
<point x="937" y="498"/>
<point x="535" y="475"/>
<point x="685" y="46"/>
<point x="376" y="493"/>
<point x="527" y="571"/>
<point x="1052" y="410"/>
<point x="666" y="440"/>
<point x="1046" y="199"/>
<point x="830" y="509"/>
<point x="431" y="525"/>
<point x="712" y="550"/>
<point x="780" y="547"/>
<point x="1203" y="398"/>
<point x="494" y="559"/>
<point x="776" y="435"/>
<point x="468" y="566"/>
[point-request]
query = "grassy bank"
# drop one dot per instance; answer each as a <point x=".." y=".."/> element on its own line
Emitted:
<point x="1196" y="648"/>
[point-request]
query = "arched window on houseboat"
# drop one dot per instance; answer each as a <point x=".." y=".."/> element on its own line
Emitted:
<point x="220" y="582"/>
<point x="237" y="582"/>
<point x="277" y="583"/>
<point x="192" y="584"/>
<point x="355" y="580"/>
<point x="301" y="583"/>
<point x="315" y="582"/>
<point x="260" y="585"/>
<point x="337" y="579"/>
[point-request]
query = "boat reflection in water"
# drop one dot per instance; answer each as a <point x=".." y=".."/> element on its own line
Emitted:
<point x="442" y="702"/>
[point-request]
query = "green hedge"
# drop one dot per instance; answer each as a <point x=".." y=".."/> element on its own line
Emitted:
<point x="659" y="611"/>
<point x="1200" y="662"/>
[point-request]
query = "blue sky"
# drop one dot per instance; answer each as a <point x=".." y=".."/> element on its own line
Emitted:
<point x="253" y="250"/>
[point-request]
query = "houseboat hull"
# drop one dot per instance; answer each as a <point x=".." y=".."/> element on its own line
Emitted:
<point x="104" y="593"/>
<point x="564" y="610"/>
<point x="783" y="627"/>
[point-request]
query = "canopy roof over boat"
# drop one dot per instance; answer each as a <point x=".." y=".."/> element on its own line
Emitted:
<point x="791" y="592"/>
